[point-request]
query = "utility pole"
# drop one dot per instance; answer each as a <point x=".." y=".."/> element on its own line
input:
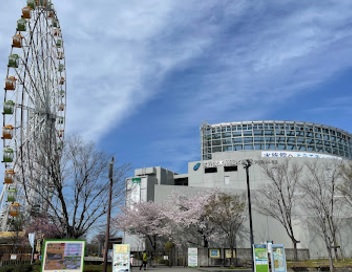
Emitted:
<point x="246" y="166"/>
<point x="107" y="232"/>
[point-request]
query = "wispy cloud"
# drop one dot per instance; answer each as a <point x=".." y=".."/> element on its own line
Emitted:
<point x="201" y="59"/>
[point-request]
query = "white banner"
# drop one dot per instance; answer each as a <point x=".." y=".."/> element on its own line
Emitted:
<point x="31" y="238"/>
<point x="292" y="154"/>
<point x="192" y="256"/>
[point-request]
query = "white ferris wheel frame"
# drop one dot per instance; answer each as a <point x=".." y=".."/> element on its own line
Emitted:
<point x="39" y="109"/>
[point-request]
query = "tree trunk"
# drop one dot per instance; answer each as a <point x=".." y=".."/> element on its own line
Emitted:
<point x="331" y="264"/>
<point x="205" y="241"/>
<point x="328" y="247"/>
<point x="295" y="253"/>
<point x="236" y="259"/>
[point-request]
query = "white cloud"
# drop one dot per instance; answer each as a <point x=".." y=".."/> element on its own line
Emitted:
<point x="231" y="59"/>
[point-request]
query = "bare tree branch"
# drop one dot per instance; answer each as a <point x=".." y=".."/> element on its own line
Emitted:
<point x="278" y="197"/>
<point x="321" y="201"/>
<point x="79" y="187"/>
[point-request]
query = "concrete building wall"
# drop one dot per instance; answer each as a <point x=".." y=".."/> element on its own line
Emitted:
<point x="161" y="175"/>
<point x="227" y="146"/>
<point x="264" y="228"/>
<point x="163" y="191"/>
<point x="234" y="182"/>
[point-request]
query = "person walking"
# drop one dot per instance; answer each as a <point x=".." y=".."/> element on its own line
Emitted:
<point x="144" y="261"/>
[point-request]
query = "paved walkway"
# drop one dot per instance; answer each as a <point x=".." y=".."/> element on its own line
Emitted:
<point x="181" y="269"/>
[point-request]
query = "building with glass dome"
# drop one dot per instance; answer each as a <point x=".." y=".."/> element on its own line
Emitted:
<point x="225" y="147"/>
<point x="275" y="135"/>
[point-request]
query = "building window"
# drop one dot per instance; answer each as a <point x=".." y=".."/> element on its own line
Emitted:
<point x="231" y="168"/>
<point x="210" y="170"/>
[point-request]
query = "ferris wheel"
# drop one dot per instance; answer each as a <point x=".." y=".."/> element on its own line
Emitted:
<point x="33" y="112"/>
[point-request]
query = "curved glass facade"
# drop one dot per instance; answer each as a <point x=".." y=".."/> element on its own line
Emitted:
<point x="275" y="135"/>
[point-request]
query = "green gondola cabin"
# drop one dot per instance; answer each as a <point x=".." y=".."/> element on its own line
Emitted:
<point x="11" y="194"/>
<point x="9" y="106"/>
<point x="61" y="67"/>
<point x="8" y="154"/>
<point x="58" y="43"/>
<point x="21" y="25"/>
<point x="31" y="4"/>
<point x="13" y="61"/>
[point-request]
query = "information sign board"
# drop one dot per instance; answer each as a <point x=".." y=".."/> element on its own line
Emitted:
<point x="261" y="261"/>
<point x="121" y="257"/>
<point x="63" y="255"/>
<point x="192" y="256"/>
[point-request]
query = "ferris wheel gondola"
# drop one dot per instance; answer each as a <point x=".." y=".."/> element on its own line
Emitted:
<point x="33" y="111"/>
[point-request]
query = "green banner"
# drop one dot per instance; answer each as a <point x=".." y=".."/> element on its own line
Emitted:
<point x="136" y="180"/>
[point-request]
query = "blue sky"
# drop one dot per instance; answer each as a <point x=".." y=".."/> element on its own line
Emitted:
<point x="142" y="76"/>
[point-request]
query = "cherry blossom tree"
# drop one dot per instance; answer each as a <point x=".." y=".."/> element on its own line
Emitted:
<point x="44" y="228"/>
<point x="208" y="218"/>
<point x="184" y="220"/>
<point x="189" y="224"/>
<point x="147" y="220"/>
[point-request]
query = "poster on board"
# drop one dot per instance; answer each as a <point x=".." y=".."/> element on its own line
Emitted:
<point x="192" y="256"/>
<point x="228" y="254"/>
<point x="214" y="253"/>
<point x="261" y="261"/>
<point x="63" y="255"/>
<point x="121" y="258"/>
<point x="278" y="258"/>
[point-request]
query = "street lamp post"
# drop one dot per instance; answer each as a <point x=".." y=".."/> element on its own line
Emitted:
<point x="107" y="232"/>
<point x="246" y="165"/>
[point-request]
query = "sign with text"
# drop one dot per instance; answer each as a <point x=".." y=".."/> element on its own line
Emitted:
<point x="292" y="154"/>
<point x="230" y="162"/>
<point x="278" y="258"/>
<point x="261" y="261"/>
<point x="121" y="257"/>
<point x="63" y="256"/>
<point x="192" y="256"/>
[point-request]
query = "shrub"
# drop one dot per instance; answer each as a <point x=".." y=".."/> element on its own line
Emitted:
<point x="36" y="267"/>
<point x="16" y="268"/>
<point x="95" y="268"/>
<point x="6" y="268"/>
<point x="23" y="268"/>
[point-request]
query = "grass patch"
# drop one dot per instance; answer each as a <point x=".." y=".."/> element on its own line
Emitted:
<point x="320" y="263"/>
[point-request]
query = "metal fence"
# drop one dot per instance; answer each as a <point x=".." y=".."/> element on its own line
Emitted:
<point x="9" y="255"/>
<point x="179" y="257"/>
